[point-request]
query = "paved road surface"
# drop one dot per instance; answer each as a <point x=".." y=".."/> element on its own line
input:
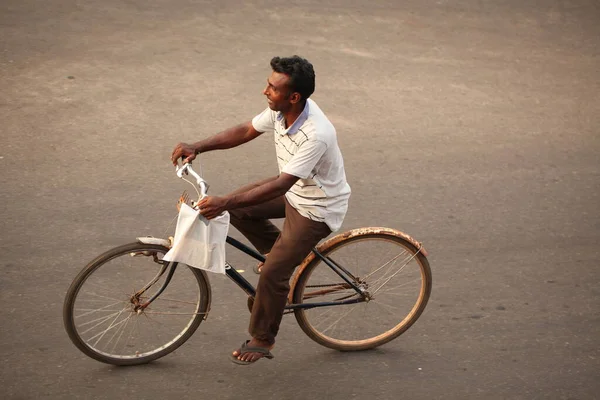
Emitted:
<point x="472" y="125"/>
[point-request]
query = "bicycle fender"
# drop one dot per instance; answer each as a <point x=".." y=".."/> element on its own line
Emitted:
<point x="154" y="240"/>
<point x="347" y="235"/>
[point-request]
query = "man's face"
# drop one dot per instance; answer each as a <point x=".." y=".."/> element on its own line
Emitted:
<point x="278" y="92"/>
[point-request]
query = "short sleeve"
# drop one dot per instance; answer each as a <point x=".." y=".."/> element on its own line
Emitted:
<point x="265" y="121"/>
<point x="305" y="159"/>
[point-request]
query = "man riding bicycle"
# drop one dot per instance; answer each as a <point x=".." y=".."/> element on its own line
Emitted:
<point x="310" y="192"/>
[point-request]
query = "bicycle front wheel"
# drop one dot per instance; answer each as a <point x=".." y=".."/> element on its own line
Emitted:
<point x="393" y="275"/>
<point x="104" y="311"/>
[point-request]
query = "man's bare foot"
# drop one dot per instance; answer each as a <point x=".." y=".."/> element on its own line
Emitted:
<point x="252" y="351"/>
<point x="258" y="267"/>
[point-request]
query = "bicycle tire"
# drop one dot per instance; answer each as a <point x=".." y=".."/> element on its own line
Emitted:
<point x="83" y="311"/>
<point x="309" y="276"/>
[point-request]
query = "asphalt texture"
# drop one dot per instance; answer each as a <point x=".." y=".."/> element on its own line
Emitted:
<point x="471" y="125"/>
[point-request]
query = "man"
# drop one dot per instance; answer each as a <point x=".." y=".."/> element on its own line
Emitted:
<point x="310" y="192"/>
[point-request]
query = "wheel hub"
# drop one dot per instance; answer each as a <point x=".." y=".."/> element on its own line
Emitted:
<point x="363" y="287"/>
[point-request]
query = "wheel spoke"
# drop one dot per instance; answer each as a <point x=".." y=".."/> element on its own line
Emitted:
<point x="100" y="298"/>
<point x="177" y="301"/>
<point x="172" y="313"/>
<point x="386" y="306"/>
<point x="93" y="310"/>
<point x="329" y="311"/>
<point x="112" y="325"/>
<point x="102" y="320"/>
<point x="390" y="278"/>
<point x="339" y="319"/>
<point x="393" y="268"/>
<point x="384" y="265"/>
<point x="120" y="332"/>
<point x="389" y="290"/>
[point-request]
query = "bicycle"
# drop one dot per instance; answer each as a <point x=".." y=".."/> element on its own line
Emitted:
<point x="128" y="297"/>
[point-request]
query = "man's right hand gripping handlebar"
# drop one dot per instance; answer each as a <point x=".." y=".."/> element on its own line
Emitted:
<point x="185" y="151"/>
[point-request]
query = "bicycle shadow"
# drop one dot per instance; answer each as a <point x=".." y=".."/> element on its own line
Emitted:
<point x="299" y="371"/>
<point x="311" y="372"/>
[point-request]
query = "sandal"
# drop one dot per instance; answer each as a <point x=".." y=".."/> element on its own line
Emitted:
<point x="244" y="349"/>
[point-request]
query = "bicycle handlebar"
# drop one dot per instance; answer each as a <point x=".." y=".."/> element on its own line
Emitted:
<point x="199" y="180"/>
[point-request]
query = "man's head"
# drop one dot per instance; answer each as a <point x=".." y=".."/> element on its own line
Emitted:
<point x="291" y="83"/>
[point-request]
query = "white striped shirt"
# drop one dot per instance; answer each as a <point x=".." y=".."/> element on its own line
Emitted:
<point x="309" y="150"/>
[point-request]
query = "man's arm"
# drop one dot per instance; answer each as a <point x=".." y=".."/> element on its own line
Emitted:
<point x="213" y="206"/>
<point x="227" y="139"/>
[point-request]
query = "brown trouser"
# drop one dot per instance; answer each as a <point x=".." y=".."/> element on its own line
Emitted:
<point x="286" y="251"/>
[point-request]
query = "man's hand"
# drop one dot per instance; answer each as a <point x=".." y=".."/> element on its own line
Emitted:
<point x="185" y="151"/>
<point x="212" y="206"/>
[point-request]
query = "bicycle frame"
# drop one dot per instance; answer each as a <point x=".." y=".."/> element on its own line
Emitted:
<point x="251" y="291"/>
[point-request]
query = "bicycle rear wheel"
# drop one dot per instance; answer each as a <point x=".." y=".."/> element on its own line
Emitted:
<point x="102" y="312"/>
<point x="391" y="271"/>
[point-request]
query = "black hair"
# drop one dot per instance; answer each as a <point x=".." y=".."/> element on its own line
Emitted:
<point x="300" y="71"/>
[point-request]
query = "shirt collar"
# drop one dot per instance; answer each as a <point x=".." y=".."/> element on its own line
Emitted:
<point x="297" y="123"/>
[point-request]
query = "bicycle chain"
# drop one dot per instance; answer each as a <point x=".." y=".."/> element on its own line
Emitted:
<point x="317" y="286"/>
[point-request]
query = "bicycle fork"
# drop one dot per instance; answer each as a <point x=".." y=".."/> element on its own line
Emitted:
<point x="135" y="298"/>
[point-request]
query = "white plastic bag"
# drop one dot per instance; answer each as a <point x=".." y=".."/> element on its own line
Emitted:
<point x="198" y="242"/>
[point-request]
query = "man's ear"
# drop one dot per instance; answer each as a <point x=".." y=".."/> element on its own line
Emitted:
<point x="295" y="97"/>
